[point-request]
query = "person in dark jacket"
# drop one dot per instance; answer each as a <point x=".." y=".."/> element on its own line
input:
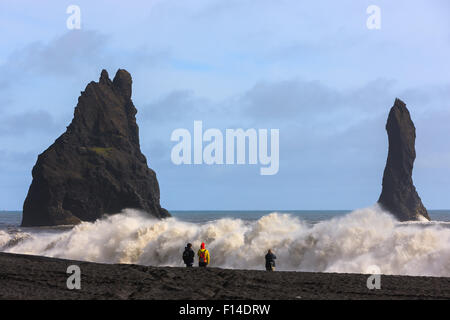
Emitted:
<point x="270" y="261"/>
<point x="188" y="255"/>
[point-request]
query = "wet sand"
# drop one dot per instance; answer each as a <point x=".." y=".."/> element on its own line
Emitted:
<point x="33" y="277"/>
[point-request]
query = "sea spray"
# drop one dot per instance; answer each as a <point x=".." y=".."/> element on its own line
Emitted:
<point x="350" y="243"/>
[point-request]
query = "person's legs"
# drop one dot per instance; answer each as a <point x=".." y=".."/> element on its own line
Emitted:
<point x="202" y="264"/>
<point x="270" y="268"/>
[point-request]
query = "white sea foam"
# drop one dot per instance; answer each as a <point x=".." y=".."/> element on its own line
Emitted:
<point x="351" y="243"/>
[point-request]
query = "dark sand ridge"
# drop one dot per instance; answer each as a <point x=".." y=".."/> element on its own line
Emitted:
<point x="34" y="277"/>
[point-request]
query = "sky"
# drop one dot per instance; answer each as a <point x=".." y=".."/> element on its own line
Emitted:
<point x="312" y="69"/>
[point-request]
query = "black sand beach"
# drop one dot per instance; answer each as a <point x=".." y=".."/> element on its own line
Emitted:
<point x="33" y="277"/>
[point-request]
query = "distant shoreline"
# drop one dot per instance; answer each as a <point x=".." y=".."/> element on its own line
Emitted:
<point x="36" y="277"/>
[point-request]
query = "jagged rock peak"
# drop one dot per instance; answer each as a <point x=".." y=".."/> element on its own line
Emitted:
<point x="122" y="82"/>
<point x="96" y="167"/>
<point x="399" y="195"/>
<point x="104" y="78"/>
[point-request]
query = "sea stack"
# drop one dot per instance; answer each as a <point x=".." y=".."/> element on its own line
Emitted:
<point x="96" y="167"/>
<point x="399" y="196"/>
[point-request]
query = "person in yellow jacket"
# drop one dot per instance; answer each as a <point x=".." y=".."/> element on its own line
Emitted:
<point x="203" y="256"/>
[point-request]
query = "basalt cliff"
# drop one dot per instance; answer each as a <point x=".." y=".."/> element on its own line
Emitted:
<point x="399" y="196"/>
<point x="96" y="167"/>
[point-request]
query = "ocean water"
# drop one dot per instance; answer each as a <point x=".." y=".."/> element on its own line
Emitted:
<point x="325" y="241"/>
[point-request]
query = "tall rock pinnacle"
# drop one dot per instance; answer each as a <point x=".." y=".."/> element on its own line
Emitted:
<point x="96" y="167"/>
<point x="399" y="196"/>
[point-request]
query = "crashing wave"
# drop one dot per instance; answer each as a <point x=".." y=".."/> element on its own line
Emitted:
<point x="348" y="244"/>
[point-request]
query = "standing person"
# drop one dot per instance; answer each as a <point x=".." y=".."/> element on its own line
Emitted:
<point x="270" y="261"/>
<point x="203" y="256"/>
<point x="188" y="255"/>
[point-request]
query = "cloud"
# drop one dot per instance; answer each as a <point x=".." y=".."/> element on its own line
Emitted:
<point x="176" y="105"/>
<point x="65" y="55"/>
<point x="295" y="98"/>
<point x="428" y="99"/>
<point x="286" y="99"/>
<point x="298" y="106"/>
<point x="36" y="122"/>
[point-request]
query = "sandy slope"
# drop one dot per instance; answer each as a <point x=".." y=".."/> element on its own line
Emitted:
<point x="32" y="277"/>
